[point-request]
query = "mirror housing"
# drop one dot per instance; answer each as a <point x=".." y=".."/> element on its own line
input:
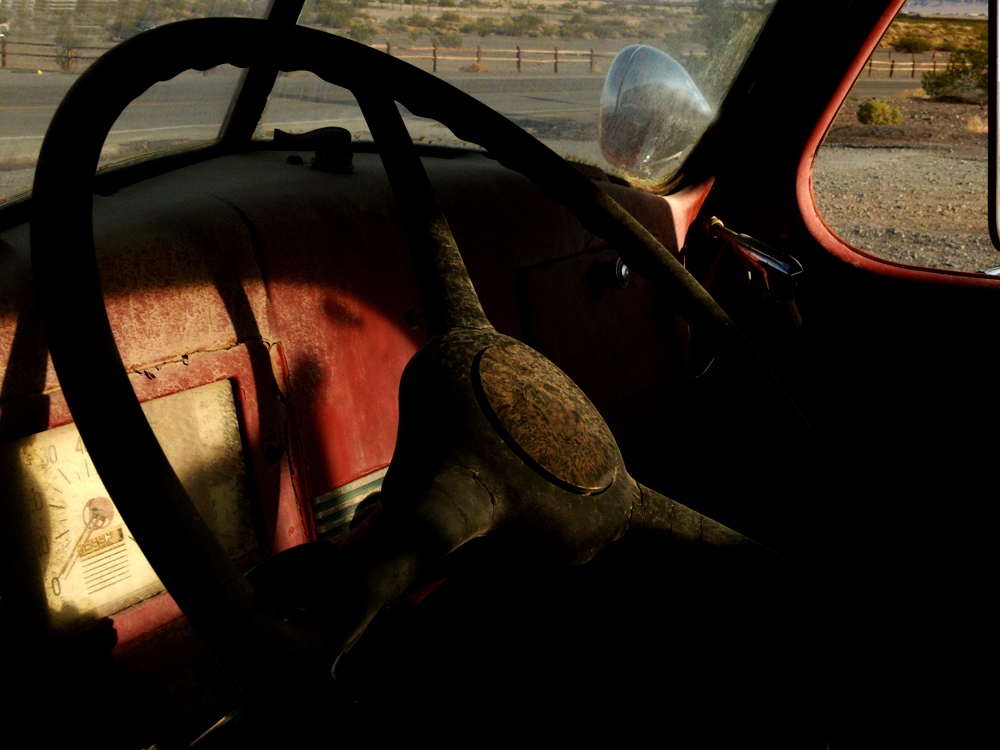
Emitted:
<point x="652" y="113"/>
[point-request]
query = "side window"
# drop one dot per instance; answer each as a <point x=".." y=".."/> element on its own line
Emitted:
<point x="902" y="174"/>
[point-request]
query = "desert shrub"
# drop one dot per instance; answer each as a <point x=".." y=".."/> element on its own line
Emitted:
<point x="67" y="41"/>
<point x="448" y="17"/>
<point x="874" y="112"/>
<point x="528" y="21"/>
<point x="334" y="15"/>
<point x="913" y="44"/>
<point x="976" y="124"/>
<point x="361" y="33"/>
<point x="65" y="52"/>
<point x="481" y="26"/>
<point x="523" y="24"/>
<point x="966" y="78"/>
<point x="449" y="40"/>
<point x="579" y="27"/>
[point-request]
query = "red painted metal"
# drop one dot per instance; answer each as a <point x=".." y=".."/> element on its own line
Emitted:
<point x="305" y="299"/>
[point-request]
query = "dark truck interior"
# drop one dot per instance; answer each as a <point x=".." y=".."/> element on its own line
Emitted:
<point x="683" y="497"/>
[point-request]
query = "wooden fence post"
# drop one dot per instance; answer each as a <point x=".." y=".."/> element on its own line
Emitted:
<point x="934" y="62"/>
<point x="913" y="73"/>
<point x="892" y="67"/>
<point x="479" y="54"/>
<point x="388" y="48"/>
<point x="435" y="56"/>
<point x="518" y="58"/>
<point x="869" y="67"/>
<point x="69" y="60"/>
<point x="3" y="52"/>
<point x="591" y="59"/>
<point x="555" y="60"/>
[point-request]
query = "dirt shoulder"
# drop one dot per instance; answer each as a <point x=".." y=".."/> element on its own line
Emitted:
<point x="915" y="192"/>
<point x="925" y="124"/>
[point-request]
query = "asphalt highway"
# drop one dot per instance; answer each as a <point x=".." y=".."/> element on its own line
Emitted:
<point x="192" y="106"/>
<point x="562" y="109"/>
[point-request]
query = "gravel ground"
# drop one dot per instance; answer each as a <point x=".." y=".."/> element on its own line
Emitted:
<point x="915" y="192"/>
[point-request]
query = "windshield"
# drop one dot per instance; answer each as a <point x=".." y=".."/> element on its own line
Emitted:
<point x="541" y="64"/>
<point x="45" y="48"/>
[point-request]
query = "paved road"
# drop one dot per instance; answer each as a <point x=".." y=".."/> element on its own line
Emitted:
<point x="882" y="87"/>
<point x="193" y="105"/>
<point x="562" y="108"/>
<point x="188" y="106"/>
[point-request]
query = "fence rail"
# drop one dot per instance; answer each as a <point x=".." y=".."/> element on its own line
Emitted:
<point x="31" y="55"/>
<point x="900" y="64"/>
<point x="21" y="55"/>
<point x="518" y="55"/>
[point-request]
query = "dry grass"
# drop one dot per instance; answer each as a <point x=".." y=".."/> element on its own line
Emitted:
<point x="944" y="36"/>
<point x="977" y="124"/>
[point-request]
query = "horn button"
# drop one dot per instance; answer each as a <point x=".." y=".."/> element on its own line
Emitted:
<point x="544" y="417"/>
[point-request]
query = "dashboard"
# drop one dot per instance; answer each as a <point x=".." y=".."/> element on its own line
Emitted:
<point x="265" y="310"/>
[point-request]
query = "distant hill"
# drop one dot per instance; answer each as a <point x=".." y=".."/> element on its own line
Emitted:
<point x="946" y="7"/>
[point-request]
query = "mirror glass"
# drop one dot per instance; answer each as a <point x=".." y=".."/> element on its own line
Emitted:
<point x="652" y="113"/>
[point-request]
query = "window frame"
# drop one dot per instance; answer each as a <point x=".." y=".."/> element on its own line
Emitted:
<point x="817" y="226"/>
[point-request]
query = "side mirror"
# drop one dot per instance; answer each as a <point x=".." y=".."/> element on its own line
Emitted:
<point x="652" y="113"/>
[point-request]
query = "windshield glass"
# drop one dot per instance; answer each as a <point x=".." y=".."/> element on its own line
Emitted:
<point x="45" y="47"/>
<point x="541" y="64"/>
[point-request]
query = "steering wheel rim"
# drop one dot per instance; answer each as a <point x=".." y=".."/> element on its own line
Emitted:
<point x="209" y="588"/>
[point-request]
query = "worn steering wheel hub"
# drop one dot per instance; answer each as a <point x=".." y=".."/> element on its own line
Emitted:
<point x="544" y="417"/>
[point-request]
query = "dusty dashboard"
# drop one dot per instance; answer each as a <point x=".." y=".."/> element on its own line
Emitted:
<point x="265" y="311"/>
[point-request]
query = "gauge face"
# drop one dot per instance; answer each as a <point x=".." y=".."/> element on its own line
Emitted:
<point x="79" y="547"/>
<point x="88" y="559"/>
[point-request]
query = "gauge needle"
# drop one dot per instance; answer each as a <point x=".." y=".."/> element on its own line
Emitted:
<point x="75" y="549"/>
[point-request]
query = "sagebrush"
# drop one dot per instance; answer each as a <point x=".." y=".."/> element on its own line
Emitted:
<point x="874" y="112"/>
<point x="966" y="79"/>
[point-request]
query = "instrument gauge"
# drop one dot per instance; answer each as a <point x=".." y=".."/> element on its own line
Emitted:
<point x="78" y="546"/>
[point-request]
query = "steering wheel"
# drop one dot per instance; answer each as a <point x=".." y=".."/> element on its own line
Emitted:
<point x="494" y="439"/>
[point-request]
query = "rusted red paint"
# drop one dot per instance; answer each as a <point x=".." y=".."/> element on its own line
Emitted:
<point x="145" y="617"/>
<point x="323" y="341"/>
